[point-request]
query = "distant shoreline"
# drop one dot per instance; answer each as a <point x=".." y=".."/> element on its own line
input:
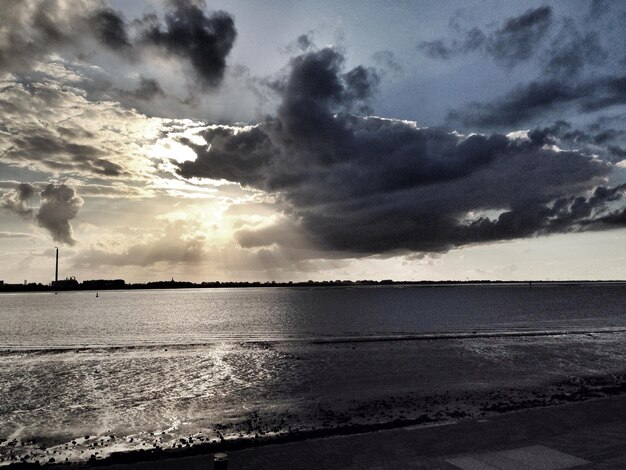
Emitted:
<point x="120" y="284"/>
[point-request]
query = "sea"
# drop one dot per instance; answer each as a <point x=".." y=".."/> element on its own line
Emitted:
<point x="86" y="376"/>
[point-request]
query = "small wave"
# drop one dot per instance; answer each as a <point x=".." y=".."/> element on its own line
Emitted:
<point x="311" y="339"/>
<point x="466" y="335"/>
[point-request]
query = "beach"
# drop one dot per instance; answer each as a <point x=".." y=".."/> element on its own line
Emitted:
<point x="584" y="435"/>
<point x="310" y="390"/>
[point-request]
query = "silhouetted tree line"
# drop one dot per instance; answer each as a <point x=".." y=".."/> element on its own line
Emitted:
<point x="110" y="284"/>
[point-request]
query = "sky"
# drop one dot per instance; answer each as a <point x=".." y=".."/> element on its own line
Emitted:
<point x="284" y="140"/>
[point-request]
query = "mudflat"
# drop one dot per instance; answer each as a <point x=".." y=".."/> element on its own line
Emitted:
<point x="587" y="434"/>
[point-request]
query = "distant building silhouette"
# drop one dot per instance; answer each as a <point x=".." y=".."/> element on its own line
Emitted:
<point x="103" y="284"/>
<point x="66" y="284"/>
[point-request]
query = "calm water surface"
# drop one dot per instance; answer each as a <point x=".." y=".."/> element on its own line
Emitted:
<point x="78" y="319"/>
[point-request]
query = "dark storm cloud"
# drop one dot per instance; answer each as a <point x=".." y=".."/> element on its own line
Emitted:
<point x="570" y="51"/>
<point x="304" y="42"/>
<point x="371" y="185"/>
<point x="532" y="101"/>
<point x="619" y="153"/>
<point x="595" y="138"/>
<point x="59" y="205"/>
<point x="17" y="199"/>
<point x="313" y="92"/>
<point x="520" y="105"/>
<point x="605" y="217"/>
<point x="616" y="218"/>
<point x="516" y="41"/>
<point x="34" y="29"/>
<point x="606" y="92"/>
<point x="110" y="28"/>
<point x="204" y="40"/>
<point x="518" y="38"/>
<point x="241" y="156"/>
<point x="562" y="215"/>
<point x="147" y="89"/>
<point x="564" y="52"/>
<point x="575" y="60"/>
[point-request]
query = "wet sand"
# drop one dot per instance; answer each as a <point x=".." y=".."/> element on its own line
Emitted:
<point x="314" y="390"/>
<point x="590" y="432"/>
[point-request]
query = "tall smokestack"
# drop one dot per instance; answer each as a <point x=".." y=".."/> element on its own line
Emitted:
<point x="56" y="268"/>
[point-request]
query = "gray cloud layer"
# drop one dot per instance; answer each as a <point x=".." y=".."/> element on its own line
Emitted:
<point x="59" y="205"/>
<point x="172" y="246"/>
<point x="35" y="29"/>
<point x="516" y="41"/>
<point x="53" y="128"/>
<point x="16" y="200"/>
<point x="597" y="138"/>
<point x="372" y="185"/>
<point x="577" y="62"/>
<point x="530" y="102"/>
<point x="562" y="49"/>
